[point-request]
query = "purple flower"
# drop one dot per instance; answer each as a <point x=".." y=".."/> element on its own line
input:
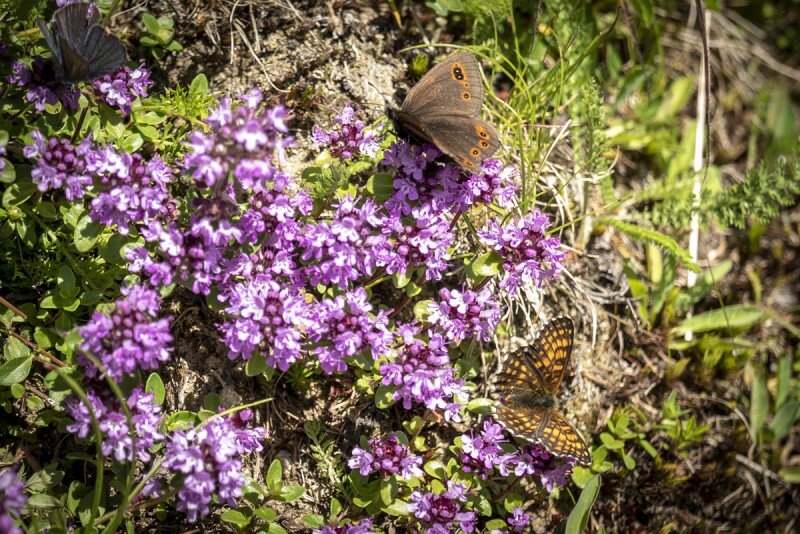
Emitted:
<point x="130" y="337"/>
<point x="208" y="458"/>
<point x="534" y="460"/>
<point x="118" y="440"/>
<point x="12" y="500"/>
<point x="362" y="527"/>
<point x="438" y="513"/>
<point x="388" y="457"/>
<point x="59" y="164"/>
<point x="421" y="177"/>
<point x="135" y="189"/>
<point x="267" y="316"/>
<point x="495" y="183"/>
<point x="481" y="453"/>
<point x="528" y="255"/>
<point x="421" y="240"/>
<point x="519" y="519"/>
<point x="342" y="327"/>
<point x="41" y="84"/>
<point x="349" y="138"/>
<point x="423" y="374"/>
<point x="347" y="248"/>
<point x="120" y="89"/>
<point x="465" y="313"/>
<point x="240" y="142"/>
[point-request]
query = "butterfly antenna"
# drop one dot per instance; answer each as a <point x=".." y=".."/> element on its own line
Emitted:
<point x="388" y="102"/>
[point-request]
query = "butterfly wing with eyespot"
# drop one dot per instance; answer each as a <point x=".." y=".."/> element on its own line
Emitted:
<point x="440" y="92"/>
<point x="443" y="109"/>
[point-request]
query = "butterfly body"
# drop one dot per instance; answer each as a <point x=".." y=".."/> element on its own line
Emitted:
<point x="443" y="109"/>
<point x="526" y="389"/>
<point x="82" y="50"/>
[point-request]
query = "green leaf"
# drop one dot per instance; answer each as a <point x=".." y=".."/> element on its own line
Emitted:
<point x="256" y="365"/>
<point x="435" y="469"/>
<point x="291" y="492"/>
<point x="611" y="443"/>
<point x="652" y="236"/>
<point x="784" y="419"/>
<point x="182" y="420"/>
<point x="422" y="309"/>
<point x="265" y="513"/>
<point x="313" y="520"/>
<point x="579" y="517"/>
<point x="384" y="396"/>
<point x="42" y="501"/>
<point x="381" y="185"/>
<point x="388" y="491"/>
<point x="274" y="476"/>
<point x="15" y="370"/>
<point x="480" y="405"/>
<point x="397" y="508"/>
<point x="156" y="386"/>
<point x="86" y="233"/>
<point x="18" y="193"/>
<point x="65" y="281"/>
<point x="759" y="405"/>
<point x="736" y="316"/>
<point x="790" y="474"/>
<point x="488" y="264"/>
<point x="14" y="348"/>
<point x="235" y="517"/>
<point x="199" y="84"/>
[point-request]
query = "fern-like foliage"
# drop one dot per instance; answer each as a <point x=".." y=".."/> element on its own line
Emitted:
<point x="759" y="198"/>
<point x="327" y="455"/>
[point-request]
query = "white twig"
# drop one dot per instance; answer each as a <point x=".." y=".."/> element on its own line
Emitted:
<point x="697" y="166"/>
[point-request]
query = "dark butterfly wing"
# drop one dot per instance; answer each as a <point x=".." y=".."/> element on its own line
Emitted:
<point x="546" y="427"/>
<point x="50" y="39"/>
<point x="104" y="52"/>
<point x="465" y="139"/>
<point x="75" y="67"/>
<point x="73" y="21"/>
<point x="453" y="87"/>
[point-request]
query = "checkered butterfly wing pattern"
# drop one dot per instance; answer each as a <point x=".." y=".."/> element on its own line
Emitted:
<point x="526" y="386"/>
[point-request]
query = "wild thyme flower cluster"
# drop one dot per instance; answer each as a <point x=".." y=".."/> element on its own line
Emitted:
<point x="121" y="88"/>
<point x="59" y="164"/>
<point x="118" y="440"/>
<point x="482" y="453"/>
<point x="439" y="513"/>
<point x="234" y="156"/>
<point x="386" y="456"/>
<point x="362" y="527"/>
<point x="133" y="189"/>
<point x="528" y="255"/>
<point x="12" y="501"/>
<point x="207" y="462"/>
<point x="423" y="375"/>
<point x="465" y="314"/>
<point x="349" y="139"/>
<point x="40" y="84"/>
<point x="344" y="327"/>
<point x="129" y="338"/>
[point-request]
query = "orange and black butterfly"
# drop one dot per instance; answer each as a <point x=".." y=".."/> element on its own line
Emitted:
<point x="526" y="389"/>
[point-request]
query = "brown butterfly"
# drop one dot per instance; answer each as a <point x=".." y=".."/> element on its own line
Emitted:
<point x="443" y="109"/>
<point x="526" y="389"/>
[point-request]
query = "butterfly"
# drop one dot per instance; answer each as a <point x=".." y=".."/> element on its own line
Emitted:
<point x="443" y="109"/>
<point x="526" y="387"/>
<point x="82" y="50"/>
